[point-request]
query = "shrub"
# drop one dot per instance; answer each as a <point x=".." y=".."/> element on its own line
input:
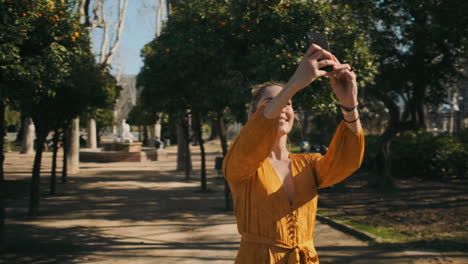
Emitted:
<point x="422" y="155"/>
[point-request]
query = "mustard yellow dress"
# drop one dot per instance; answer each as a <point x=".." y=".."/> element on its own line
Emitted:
<point x="274" y="230"/>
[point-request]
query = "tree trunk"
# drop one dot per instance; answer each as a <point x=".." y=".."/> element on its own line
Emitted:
<point x="222" y="132"/>
<point x="198" y="131"/>
<point x="19" y="134"/>
<point x="91" y="131"/>
<point x="382" y="175"/>
<point x="184" y="161"/>
<point x="41" y="135"/>
<point x="2" y="216"/>
<point x="421" y="116"/>
<point x="2" y="178"/>
<point x="145" y="135"/>
<point x="214" y="129"/>
<point x="66" y="143"/>
<point x="2" y="138"/>
<point x="98" y="136"/>
<point x="188" y="155"/>
<point x="73" y="153"/>
<point x="53" y="177"/>
<point x="28" y="136"/>
<point x="224" y="146"/>
<point x="384" y="180"/>
<point x="180" y="145"/>
<point x="151" y="136"/>
<point x="139" y="134"/>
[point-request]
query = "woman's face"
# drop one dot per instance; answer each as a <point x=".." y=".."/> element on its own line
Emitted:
<point x="286" y="120"/>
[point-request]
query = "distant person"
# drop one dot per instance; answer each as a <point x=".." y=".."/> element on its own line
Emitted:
<point x="158" y="143"/>
<point x="275" y="191"/>
<point x="83" y="142"/>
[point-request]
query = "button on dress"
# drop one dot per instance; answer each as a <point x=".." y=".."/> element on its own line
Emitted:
<point x="273" y="229"/>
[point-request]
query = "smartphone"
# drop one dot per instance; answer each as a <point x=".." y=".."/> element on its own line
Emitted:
<point x="321" y="40"/>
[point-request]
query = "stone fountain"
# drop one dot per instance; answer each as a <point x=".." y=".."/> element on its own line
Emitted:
<point x="122" y="149"/>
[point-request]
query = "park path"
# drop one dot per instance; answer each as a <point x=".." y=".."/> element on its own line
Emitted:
<point x="146" y="213"/>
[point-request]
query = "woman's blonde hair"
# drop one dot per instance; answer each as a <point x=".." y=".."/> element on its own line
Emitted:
<point x="257" y="92"/>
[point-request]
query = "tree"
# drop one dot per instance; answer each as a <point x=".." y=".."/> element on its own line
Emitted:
<point x="230" y="45"/>
<point x="422" y="45"/>
<point x="14" y="24"/>
<point x="143" y="119"/>
<point x="58" y="65"/>
<point x="100" y="20"/>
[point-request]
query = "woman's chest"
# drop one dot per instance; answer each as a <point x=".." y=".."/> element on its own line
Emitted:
<point x="268" y="190"/>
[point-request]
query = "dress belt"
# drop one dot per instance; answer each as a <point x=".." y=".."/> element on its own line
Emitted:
<point x="303" y="251"/>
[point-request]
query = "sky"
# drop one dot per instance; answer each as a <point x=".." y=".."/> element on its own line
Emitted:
<point x="140" y="28"/>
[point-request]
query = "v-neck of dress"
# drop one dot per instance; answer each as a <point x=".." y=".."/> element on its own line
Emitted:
<point x="281" y="185"/>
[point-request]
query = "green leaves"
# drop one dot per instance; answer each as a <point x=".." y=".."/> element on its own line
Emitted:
<point x="211" y="52"/>
<point x="49" y="70"/>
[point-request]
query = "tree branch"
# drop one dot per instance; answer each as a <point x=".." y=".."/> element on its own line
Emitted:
<point x="105" y="38"/>
<point x="120" y="27"/>
<point x="84" y="12"/>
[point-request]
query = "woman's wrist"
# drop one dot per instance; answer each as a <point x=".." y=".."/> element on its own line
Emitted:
<point x="350" y="116"/>
<point x="349" y="106"/>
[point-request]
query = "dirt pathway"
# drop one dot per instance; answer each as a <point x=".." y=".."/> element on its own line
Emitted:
<point x="145" y="213"/>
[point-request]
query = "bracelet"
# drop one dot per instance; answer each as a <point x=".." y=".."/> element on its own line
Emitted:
<point x="347" y="109"/>
<point x="351" y="121"/>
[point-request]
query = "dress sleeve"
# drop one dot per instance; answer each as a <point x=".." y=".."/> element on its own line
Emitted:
<point x="344" y="156"/>
<point x="251" y="147"/>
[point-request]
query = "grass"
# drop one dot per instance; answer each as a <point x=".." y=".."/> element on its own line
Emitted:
<point x="385" y="233"/>
<point x="396" y="239"/>
<point x="11" y="146"/>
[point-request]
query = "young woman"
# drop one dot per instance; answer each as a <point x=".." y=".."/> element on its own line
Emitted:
<point x="275" y="191"/>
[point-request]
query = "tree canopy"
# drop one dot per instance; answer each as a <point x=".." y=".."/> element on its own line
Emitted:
<point x="211" y="52"/>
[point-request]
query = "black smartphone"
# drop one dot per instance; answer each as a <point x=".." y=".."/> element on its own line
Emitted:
<point x="321" y="40"/>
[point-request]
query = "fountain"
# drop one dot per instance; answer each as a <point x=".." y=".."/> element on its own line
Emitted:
<point x="122" y="149"/>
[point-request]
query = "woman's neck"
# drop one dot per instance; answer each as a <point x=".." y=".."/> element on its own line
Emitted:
<point x="280" y="151"/>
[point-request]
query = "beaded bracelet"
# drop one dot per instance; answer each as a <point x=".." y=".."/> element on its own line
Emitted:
<point x="351" y="121"/>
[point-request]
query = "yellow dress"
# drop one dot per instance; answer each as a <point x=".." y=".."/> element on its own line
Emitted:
<point x="274" y="230"/>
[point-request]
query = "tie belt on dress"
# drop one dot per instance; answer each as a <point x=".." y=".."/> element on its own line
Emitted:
<point x="305" y="249"/>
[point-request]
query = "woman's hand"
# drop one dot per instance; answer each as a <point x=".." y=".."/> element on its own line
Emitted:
<point x="343" y="83"/>
<point x="309" y="67"/>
